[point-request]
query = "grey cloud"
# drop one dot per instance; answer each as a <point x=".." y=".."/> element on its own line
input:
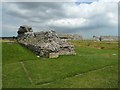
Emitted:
<point x="39" y="10"/>
<point x="38" y="5"/>
<point x="42" y="12"/>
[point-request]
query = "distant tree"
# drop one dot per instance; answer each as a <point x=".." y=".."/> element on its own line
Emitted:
<point x="14" y="37"/>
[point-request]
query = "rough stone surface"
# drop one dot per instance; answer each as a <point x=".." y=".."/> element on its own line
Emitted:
<point x="64" y="36"/>
<point x="109" y="38"/>
<point x="44" y="44"/>
<point x="106" y="38"/>
<point x="53" y="55"/>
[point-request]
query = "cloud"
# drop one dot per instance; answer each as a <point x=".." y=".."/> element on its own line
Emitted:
<point x="9" y="29"/>
<point x="88" y="19"/>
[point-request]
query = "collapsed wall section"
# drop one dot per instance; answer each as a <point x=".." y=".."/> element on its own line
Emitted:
<point x="44" y="44"/>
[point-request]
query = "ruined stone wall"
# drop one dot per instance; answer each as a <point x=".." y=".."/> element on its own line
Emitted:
<point x="109" y="38"/>
<point x="105" y="38"/>
<point x="46" y="44"/>
<point x="64" y="36"/>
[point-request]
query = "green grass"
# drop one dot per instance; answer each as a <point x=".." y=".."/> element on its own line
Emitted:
<point x="103" y="78"/>
<point x="13" y="52"/>
<point x="14" y="76"/>
<point x="97" y="66"/>
<point x="0" y="65"/>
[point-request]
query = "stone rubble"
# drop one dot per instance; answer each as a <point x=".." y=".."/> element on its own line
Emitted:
<point x="44" y="44"/>
<point x="106" y="38"/>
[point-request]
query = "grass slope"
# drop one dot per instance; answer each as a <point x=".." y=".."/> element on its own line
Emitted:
<point x="13" y="52"/>
<point x="97" y="66"/>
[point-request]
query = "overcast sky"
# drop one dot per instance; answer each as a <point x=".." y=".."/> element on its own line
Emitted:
<point x="87" y="19"/>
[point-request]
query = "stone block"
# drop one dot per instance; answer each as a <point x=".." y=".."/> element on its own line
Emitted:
<point x="53" y="55"/>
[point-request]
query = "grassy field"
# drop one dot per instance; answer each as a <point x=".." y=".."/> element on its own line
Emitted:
<point x="94" y="66"/>
<point x="0" y="65"/>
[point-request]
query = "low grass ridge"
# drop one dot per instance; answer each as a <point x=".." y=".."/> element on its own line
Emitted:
<point x="103" y="78"/>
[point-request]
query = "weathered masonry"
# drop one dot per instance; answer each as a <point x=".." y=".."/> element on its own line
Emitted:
<point x="44" y="44"/>
<point x="106" y="38"/>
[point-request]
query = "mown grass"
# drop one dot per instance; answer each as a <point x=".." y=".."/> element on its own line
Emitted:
<point x="95" y="44"/>
<point x="14" y="76"/>
<point x="103" y="78"/>
<point x="88" y="60"/>
<point x="13" y="52"/>
<point x="0" y="65"/>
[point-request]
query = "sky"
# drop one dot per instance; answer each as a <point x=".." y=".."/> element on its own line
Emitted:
<point x="88" y="18"/>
